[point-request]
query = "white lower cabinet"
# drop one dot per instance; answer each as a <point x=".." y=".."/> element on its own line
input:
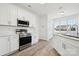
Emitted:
<point x="34" y="35"/>
<point x="4" y="45"/>
<point x="65" y="47"/>
<point x="14" y="43"/>
<point x="34" y="38"/>
<point x="58" y="44"/>
<point x="71" y="50"/>
<point x="8" y="44"/>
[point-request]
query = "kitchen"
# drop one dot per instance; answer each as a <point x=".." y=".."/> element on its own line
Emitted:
<point x="11" y="24"/>
<point x="66" y="34"/>
<point x="23" y="27"/>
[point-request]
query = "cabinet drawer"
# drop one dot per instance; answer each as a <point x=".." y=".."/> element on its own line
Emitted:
<point x="4" y="45"/>
<point x="71" y="49"/>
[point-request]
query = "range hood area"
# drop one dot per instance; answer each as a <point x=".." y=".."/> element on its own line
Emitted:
<point x="22" y="23"/>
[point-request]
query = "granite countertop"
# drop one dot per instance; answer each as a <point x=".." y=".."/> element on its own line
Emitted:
<point x="69" y="36"/>
<point x="72" y="36"/>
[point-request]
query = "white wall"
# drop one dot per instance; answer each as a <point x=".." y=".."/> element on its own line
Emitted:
<point x="50" y="29"/>
<point x="43" y="27"/>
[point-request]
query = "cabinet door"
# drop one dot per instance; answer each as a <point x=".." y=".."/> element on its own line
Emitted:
<point x="4" y="45"/>
<point x="14" y="43"/>
<point x="12" y="15"/>
<point x="20" y="13"/>
<point x="58" y="44"/>
<point x="71" y="50"/>
<point x="4" y="14"/>
<point x="33" y="38"/>
<point x="34" y="35"/>
<point x="55" y="41"/>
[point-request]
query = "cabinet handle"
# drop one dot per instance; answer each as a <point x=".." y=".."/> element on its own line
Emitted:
<point x="63" y="46"/>
<point x="9" y="22"/>
<point x="8" y="39"/>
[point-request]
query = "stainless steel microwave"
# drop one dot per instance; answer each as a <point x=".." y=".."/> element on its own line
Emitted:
<point x="22" y="23"/>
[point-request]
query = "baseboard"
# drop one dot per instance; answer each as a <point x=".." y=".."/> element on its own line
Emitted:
<point x="57" y="52"/>
<point x="9" y="54"/>
<point x="43" y="39"/>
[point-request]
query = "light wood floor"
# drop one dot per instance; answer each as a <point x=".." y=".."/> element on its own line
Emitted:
<point x="42" y="48"/>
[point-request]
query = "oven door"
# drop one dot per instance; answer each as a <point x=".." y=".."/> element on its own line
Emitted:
<point x="25" y="40"/>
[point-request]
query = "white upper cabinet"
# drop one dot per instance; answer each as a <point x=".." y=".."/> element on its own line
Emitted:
<point x="12" y="15"/>
<point x="20" y="13"/>
<point x="4" y="14"/>
<point x="25" y="15"/>
<point x="8" y="14"/>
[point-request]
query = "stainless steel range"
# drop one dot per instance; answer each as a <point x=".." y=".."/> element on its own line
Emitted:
<point x="24" y="39"/>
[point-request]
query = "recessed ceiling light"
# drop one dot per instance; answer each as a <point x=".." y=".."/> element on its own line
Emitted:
<point x="60" y="10"/>
<point x="61" y="13"/>
<point x="60" y="7"/>
<point x="42" y="2"/>
<point x="29" y="6"/>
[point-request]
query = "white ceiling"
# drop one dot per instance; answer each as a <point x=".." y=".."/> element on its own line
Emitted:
<point x="48" y="8"/>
